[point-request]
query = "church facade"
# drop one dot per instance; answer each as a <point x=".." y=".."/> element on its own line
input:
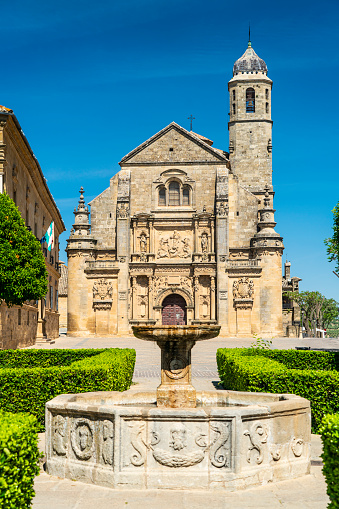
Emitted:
<point x="185" y="232"/>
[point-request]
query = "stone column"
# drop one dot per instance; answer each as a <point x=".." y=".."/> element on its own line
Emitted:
<point x="134" y="226"/>
<point x="150" y="297"/>
<point x="176" y="389"/>
<point x="195" y="234"/>
<point x="196" y="297"/>
<point x="212" y="298"/>
<point x="134" y="298"/>
<point x="212" y="236"/>
<point x="151" y="236"/>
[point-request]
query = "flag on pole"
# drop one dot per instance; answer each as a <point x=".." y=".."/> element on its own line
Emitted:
<point x="49" y="236"/>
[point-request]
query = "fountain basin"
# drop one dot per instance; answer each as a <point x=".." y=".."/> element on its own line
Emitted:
<point x="180" y="333"/>
<point x="230" y="440"/>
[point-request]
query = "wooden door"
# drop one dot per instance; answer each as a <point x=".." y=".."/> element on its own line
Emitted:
<point x="174" y="310"/>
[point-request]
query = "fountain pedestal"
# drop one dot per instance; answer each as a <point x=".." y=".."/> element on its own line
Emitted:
<point x="176" y="342"/>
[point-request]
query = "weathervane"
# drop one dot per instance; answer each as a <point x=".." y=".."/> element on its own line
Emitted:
<point x="191" y="118"/>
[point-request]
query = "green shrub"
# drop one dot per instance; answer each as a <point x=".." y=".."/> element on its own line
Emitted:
<point x="28" y="389"/>
<point x="19" y="457"/>
<point x="251" y="370"/>
<point x="305" y="359"/>
<point x="40" y="358"/>
<point x="329" y="430"/>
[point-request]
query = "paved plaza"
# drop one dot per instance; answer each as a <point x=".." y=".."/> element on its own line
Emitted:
<point x="305" y="492"/>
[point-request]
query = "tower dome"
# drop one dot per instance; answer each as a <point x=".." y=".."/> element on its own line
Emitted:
<point x="249" y="62"/>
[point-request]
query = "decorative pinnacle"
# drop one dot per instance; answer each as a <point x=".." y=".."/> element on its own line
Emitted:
<point x="249" y="36"/>
<point x="267" y="197"/>
<point x="81" y="205"/>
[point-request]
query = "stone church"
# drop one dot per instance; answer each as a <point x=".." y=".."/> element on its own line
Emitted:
<point x="185" y="233"/>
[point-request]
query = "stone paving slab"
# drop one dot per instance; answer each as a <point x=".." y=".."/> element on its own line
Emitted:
<point x="307" y="492"/>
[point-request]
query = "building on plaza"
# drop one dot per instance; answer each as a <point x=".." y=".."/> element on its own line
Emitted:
<point x="62" y="295"/>
<point x="22" y="178"/>
<point x="291" y="310"/>
<point x="184" y="234"/>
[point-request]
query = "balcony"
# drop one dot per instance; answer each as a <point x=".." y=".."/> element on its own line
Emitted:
<point x="101" y="267"/>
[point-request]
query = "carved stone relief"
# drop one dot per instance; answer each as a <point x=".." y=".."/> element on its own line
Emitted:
<point x="102" y="290"/>
<point x="82" y="438"/>
<point x="180" y="445"/>
<point x="220" y="449"/>
<point x="243" y="288"/>
<point x="258" y="436"/>
<point x="174" y="245"/>
<point x="297" y="446"/>
<point x="122" y="210"/>
<point x="139" y="455"/>
<point x="124" y="185"/>
<point x="222" y="209"/>
<point x="222" y="184"/>
<point x="107" y="435"/>
<point x="59" y="439"/>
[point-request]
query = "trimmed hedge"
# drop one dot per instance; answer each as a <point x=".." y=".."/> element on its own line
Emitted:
<point x="253" y="370"/>
<point x="19" y="460"/>
<point x="40" y="358"/>
<point x="329" y="430"/>
<point x="28" y="389"/>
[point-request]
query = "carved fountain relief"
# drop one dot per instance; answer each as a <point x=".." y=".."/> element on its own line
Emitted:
<point x="178" y="444"/>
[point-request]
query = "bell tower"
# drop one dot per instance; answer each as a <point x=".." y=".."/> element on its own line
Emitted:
<point x="250" y="125"/>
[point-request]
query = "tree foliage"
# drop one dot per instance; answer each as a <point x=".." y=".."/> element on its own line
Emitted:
<point x="333" y="242"/>
<point x="318" y="310"/>
<point x="23" y="274"/>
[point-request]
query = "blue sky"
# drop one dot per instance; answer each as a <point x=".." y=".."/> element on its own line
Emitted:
<point x="89" y="81"/>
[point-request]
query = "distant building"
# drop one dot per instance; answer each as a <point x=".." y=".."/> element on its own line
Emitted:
<point x="62" y="304"/>
<point x="184" y="234"/>
<point x="291" y="310"/>
<point x="22" y="178"/>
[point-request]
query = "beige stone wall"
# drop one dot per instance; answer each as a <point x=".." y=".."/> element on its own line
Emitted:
<point x="62" y="308"/>
<point x="18" y="326"/>
<point x="24" y="182"/>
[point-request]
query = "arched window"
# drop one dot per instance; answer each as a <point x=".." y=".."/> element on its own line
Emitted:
<point x="250" y="100"/>
<point x="174" y="194"/>
<point x="233" y="108"/>
<point x="233" y="95"/>
<point x="266" y="94"/>
<point x="162" y="196"/>
<point x="267" y="108"/>
<point x="186" y="196"/>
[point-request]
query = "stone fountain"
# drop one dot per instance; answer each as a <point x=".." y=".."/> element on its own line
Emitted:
<point x="177" y="437"/>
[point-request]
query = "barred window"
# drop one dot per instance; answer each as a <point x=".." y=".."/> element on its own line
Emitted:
<point x="186" y="196"/>
<point x="174" y="194"/>
<point x="162" y="196"/>
<point x="250" y="100"/>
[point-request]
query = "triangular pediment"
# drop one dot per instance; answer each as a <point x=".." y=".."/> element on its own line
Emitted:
<point x="173" y="144"/>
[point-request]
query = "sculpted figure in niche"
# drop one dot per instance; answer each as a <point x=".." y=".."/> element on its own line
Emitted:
<point x="204" y="243"/>
<point x="143" y="243"/>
